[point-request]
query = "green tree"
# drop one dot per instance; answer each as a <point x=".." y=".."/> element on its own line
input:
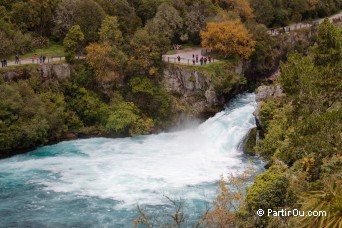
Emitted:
<point x="147" y="10"/>
<point x="34" y="15"/>
<point x="72" y="41"/>
<point x="85" y="13"/>
<point x="125" y="13"/>
<point x="329" y="44"/>
<point x="110" y="32"/>
<point x="167" y="22"/>
<point x="125" y="117"/>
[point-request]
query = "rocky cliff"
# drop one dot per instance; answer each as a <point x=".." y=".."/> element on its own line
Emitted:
<point x="46" y="71"/>
<point x="192" y="89"/>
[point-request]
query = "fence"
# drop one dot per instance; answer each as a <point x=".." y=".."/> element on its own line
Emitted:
<point x="290" y="28"/>
<point x="38" y="61"/>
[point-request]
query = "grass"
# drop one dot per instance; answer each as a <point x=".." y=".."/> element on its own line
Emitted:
<point x="18" y="67"/>
<point x="184" y="46"/>
<point x="54" y="50"/>
<point x="171" y="52"/>
<point x="212" y="68"/>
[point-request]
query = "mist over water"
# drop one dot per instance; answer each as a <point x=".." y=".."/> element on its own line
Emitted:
<point x="99" y="182"/>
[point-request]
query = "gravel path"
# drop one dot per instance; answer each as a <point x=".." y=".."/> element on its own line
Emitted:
<point x="186" y="56"/>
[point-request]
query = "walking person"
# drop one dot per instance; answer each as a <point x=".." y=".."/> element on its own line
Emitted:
<point x="193" y="61"/>
<point x="2" y="63"/>
<point x="196" y="58"/>
<point x="209" y="58"/>
<point x="201" y="61"/>
<point x="44" y="58"/>
<point x="40" y="59"/>
<point x="5" y="63"/>
<point x="205" y="60"/>
<point x="179" y="58"/>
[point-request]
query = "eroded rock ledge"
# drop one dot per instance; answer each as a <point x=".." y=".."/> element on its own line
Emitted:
<point x="192" y="88"/>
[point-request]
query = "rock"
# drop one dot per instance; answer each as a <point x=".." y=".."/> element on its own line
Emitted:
<point x="69" y="136"/>
<point x="61" y="70"/>
<point x="58" y="71"/>
<point x="13" y="76"/>
<point x="263" y="94"/>
<point x="193" y="88"/>
<point x="45" y="71"/>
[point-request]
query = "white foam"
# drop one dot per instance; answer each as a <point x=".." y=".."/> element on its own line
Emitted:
<point x="142" y="169"/>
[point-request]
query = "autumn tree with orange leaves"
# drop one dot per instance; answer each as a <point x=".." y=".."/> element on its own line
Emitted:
<point x="229" y="38"/>
<point x="105" y="60"/>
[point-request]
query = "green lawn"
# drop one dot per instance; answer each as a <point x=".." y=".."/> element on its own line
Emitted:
<point x="54" y="50"/>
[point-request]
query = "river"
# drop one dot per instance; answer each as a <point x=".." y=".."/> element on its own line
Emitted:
<point x="99" y="182"/>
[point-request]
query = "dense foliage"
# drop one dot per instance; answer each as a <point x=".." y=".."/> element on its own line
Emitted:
<point x="303" y="139"/>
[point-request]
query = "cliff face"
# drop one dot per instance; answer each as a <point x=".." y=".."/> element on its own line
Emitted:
<point x="46" y="71"/>
<point x="58" y="71"/>
<point x="192" y="89"/>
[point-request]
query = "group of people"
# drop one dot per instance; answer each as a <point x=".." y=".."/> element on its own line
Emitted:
<point x="202" y="60"/>
<point x="195" y="59"/>
<point x="42" y="58"/>
<point x="176" y="46"/>
<point x="3" y="63"/>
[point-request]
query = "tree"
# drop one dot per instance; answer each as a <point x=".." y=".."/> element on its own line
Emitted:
<point x="125" y="117"/>
<point x="167" y="22"/>
<point x="146" y="53"/>
<point x="85" y="13"/>
<point x="242" y="7"/>
<point x="230" y="198"/>
<point x="194" y="21"/>
<point x="229" y="38"/>
<point x="106" y="62"/>
<point x="34" y="15"/>
<point x="65" y="16"/>
<point x="264" y="59"/>
<point x="125" y="13"/>
<point x="110" y="32"/>
<point x="71" y="42"/>
<point x="89" y="16"/>
<point x="147" y="10"/>
<point x="329" y="44"/>
<point x="263" y="11"/>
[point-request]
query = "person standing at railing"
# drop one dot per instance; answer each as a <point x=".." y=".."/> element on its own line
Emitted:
<point x="3" y="63"/>
<point x="196" y="58"/>
<point x="179" y="58"/>
<point x="35" y="57"/>
<point x="193" y="61"/>
<point x="16" y="61"/>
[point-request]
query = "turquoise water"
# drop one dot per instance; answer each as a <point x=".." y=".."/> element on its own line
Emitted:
<point x="99" y="182"/>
